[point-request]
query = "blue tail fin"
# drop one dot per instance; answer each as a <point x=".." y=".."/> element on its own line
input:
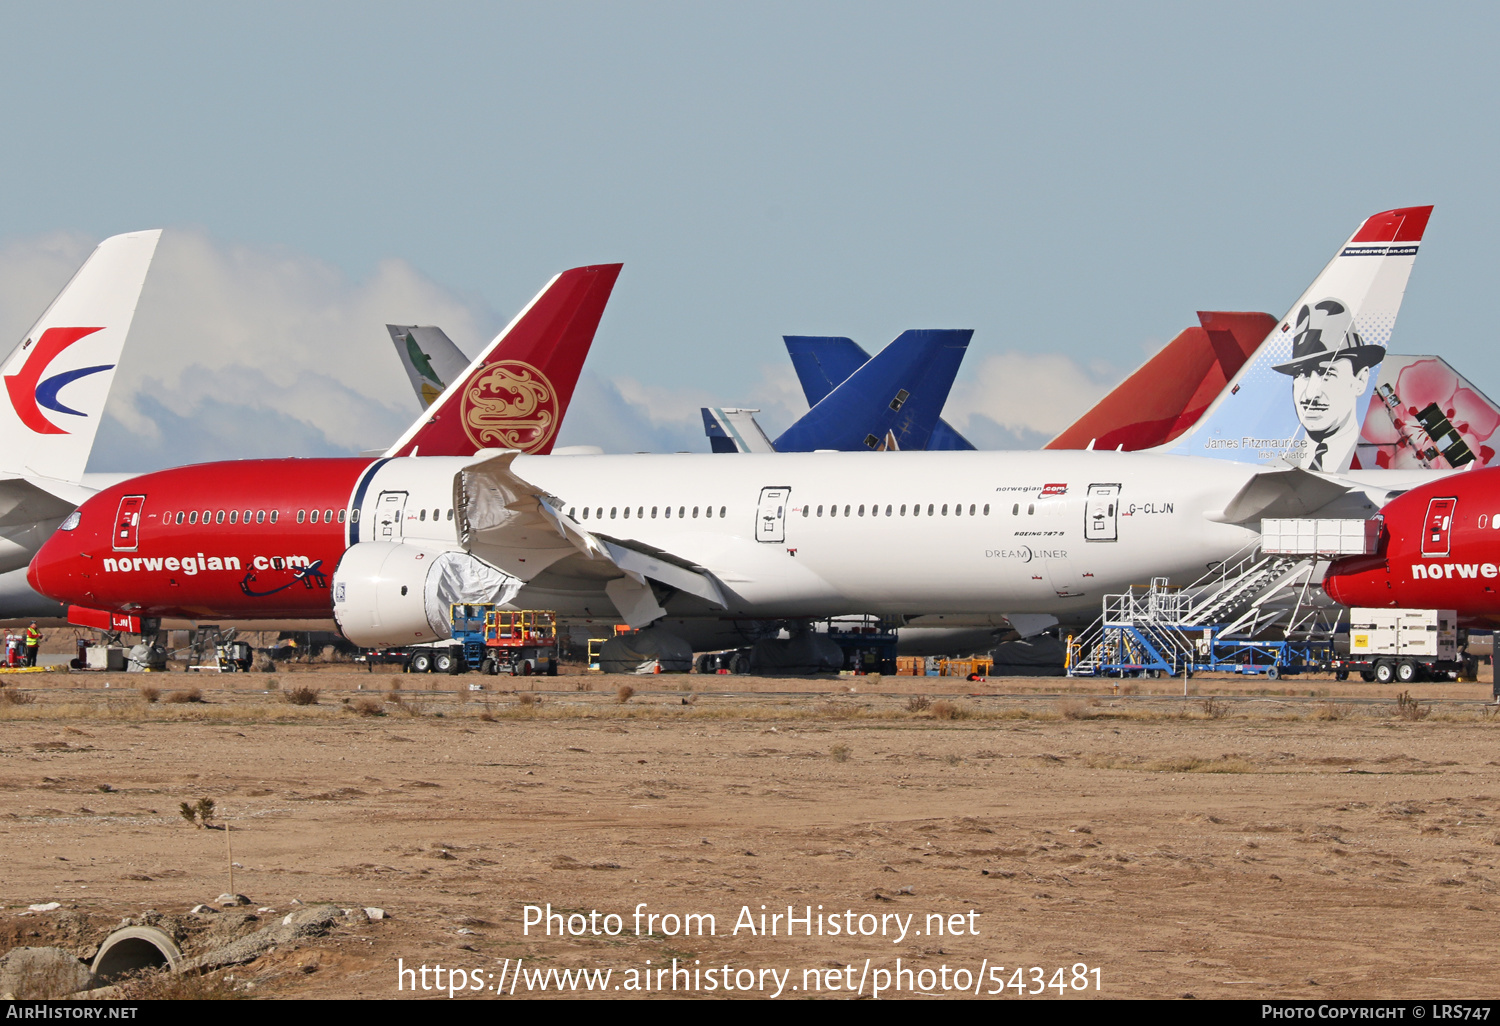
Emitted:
<point x="892" y="401"/>
<point x="823" y="362"/>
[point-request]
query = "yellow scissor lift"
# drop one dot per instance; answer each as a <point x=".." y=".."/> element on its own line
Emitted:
<point x="520" y="642"/>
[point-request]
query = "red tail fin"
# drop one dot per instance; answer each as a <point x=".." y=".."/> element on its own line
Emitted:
<point x="514" y="396"/>
<point x="1169" y="393"/>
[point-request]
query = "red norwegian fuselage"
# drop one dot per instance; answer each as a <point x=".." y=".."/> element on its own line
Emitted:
<point x="257" y="539"/>
<point x="1441" y="550"/>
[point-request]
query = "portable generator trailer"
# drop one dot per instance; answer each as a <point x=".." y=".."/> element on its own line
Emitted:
<point x="1403" y="646"/>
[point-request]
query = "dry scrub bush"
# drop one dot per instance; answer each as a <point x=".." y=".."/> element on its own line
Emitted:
<point x="10" y="696"/>
<point x="487" y="715"/>
<point x="624" y="694"/>
<point x="302" y="696"/>
<point x="367" y="707"/>
<point x="835" y="710"/>
<point x="1073" y="709"/>
<point x="840" y="753"/>
<point x="150" y="695"/>
<point x="583" y="684"/>
<point x="185" y="697"/>
<point x="1407" y="708"/>
<point x="1328" y="711"/>
<point x="918" y="704"/>
<point x="946" y="710"/>
<point x="1215" y="708"/>
<point x="526" y="698"/>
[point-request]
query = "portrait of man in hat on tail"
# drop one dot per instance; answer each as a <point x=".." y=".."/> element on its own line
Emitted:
<point x="1330" y="372"/>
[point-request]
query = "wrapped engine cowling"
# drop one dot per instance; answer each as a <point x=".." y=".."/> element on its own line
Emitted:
<point x="390" y="593"/>
<point x="652" y="650"/>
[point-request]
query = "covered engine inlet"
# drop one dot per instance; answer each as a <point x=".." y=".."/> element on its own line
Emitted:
<point x="392" y="593"/>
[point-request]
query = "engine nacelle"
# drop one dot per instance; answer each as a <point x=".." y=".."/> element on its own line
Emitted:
<point x="378" y="595"/>
<point x="391" y="593"/>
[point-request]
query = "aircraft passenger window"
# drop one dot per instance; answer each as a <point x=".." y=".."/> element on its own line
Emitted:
<point x="234" y="516"/>
<point x="861" y="509"/>
<point x="585" y="512"/>
<point x="695" y="512"/>
<point x="301" y="516"/>
<point x="916" y="509"/>
<point x="247" y="515"/>
<point x="807" y="511"/>
<point x="820" y="511"/>
<point x="903" y="509"/>
<point x="219" y="517"/>
<point x="708" y="511"/>
<point x="274" y="514"/>
<point x="929" y="509"/>
<point x="313" y="517"/>
<point x="193" y="517"/>
<point x="260" y="516"/>
<point x="986" y="509"/>
<point x="599" y="513"/>
<point x="1030" y="509"/>
<point x="612" y="511"/>
<point x="179" y="518"/>
<point x="722" y="510"/>
<point x="971" y="509"/>
<point x="681" y="512"/>
<point x="833" y="511"/>
<point x="640" y="512"/>
<point x="627" y="512"/>
<point x="328" y="516"/>
<point x="450" y="515"/>
<point x="666" y="512"/>
<point x="422" y="515"/>
<point x="354" y="517"/>
<point x="945" y="509"/>
<point x="888" y="511"/>
<point x="653" y="512"/>
<point x="846" y="510"/>
<point x="958" y="509"/>
<point x="1015" y="510"/>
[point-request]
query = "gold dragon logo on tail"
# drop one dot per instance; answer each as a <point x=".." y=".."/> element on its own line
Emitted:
<point x="509" y="405"/>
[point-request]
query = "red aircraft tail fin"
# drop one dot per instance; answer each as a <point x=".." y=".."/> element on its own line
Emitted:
<point x="515" y="394"/>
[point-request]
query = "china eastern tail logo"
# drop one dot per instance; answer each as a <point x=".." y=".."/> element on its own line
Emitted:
<point x="29" y="391"/>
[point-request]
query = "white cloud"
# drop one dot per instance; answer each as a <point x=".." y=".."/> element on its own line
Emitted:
<point x="241" y="351"/>
<point x="1026" y="397"/>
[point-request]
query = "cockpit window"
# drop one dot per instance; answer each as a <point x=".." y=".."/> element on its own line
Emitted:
<point x="71" y="521"/>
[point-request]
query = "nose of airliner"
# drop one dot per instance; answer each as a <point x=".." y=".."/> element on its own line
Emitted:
<point x="47" y="573"/>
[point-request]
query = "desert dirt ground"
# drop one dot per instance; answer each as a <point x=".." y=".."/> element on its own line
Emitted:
<point x="1297" y="840"/>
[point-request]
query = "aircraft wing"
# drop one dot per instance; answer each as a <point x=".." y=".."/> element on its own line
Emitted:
<point x="430" y="358"/>
<point x="514" y="526"/>
<point x="30" y="509"/>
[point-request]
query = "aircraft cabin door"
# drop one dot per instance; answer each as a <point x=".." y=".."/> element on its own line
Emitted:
<point x="128" y="523"/>
<point x="770" y="515"/>
<point x="1101" y="513"/>
<point x="1437" y="539"/>
<point x="390" y="511"/>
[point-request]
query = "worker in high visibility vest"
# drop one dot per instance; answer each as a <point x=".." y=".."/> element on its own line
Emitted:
<point x="33" y="642"/>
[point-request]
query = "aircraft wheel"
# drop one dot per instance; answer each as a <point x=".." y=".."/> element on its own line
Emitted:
<point x="421" y="662"/>
<point x="1384" y="672"/>
<point x="1408" y="672"/>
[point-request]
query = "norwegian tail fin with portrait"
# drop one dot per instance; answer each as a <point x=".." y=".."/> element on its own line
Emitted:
<point x="1301" y="396"/>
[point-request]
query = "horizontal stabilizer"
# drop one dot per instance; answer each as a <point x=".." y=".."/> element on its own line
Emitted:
<point x="1280" y="493"/>
<point x="734" y="430"/>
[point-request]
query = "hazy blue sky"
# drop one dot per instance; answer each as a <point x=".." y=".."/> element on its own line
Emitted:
<point x="1072" y="181"/>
